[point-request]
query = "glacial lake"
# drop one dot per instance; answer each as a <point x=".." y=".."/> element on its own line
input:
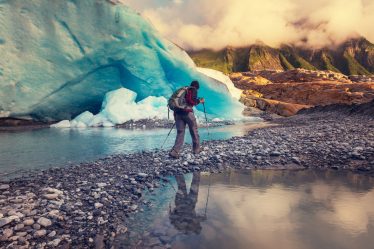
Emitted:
<point x="50" y="147"/>
<point x="258" y="209"/>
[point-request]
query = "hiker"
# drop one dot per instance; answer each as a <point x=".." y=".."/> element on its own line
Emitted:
<point x="182" y="103"/>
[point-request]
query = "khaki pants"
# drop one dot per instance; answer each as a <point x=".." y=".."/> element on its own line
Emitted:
<point x="181" y="121"/>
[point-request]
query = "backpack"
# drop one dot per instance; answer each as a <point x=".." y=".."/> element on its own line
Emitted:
<point x="177" y="101"/>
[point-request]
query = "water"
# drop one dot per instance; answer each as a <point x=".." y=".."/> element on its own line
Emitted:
<point x="41" y="149"/>
<point x="260" y="209"/>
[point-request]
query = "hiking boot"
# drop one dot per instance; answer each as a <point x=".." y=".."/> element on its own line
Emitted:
<point x="174" y="154"/>
<point x="197" y="151"/>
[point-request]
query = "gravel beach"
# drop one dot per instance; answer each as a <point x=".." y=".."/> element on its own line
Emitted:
<point x="87" y="205"/>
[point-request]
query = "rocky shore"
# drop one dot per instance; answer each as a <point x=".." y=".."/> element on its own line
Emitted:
<point x="88" y="205"/>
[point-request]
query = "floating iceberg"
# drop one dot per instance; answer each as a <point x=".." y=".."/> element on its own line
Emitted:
<point x="59" y="59"/>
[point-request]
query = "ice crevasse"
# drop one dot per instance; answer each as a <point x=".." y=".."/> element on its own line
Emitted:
<point x="91" y="58"/>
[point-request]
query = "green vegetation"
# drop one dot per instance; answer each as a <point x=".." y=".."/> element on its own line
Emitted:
<point x="212" y="59"/>
<point x="286" y="65"/>
<point x="356" y="56"/>
<point x="327" y="63"/>
<point x="354" y="68"/>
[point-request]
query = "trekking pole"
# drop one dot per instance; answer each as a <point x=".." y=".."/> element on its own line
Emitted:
<point x="206" y="120"/>
<point x="168" y="136"/>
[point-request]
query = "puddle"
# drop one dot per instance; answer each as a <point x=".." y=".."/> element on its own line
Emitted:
<point x="258" y="209"/>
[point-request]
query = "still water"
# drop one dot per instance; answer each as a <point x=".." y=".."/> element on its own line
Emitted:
<point x="40" y="149"/>
<point x="259" y="209"/>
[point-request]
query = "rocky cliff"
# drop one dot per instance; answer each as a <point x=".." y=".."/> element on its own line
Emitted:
<point x="354" y="57"/>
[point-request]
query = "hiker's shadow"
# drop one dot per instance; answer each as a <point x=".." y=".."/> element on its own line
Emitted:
<point x="184" y="217"/>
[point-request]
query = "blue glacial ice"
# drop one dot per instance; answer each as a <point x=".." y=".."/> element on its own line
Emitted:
<point x="60" y="58"/>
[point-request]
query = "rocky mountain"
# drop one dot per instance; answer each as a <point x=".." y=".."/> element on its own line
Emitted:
<point x="354" y="57"/>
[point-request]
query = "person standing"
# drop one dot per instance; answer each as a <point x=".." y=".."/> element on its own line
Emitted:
<point x="185" y="117"/>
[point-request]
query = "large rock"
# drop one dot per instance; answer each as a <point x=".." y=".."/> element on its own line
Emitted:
<point x="273" y="106"/>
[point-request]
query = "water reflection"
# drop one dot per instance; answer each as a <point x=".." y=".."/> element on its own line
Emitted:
<point x="267" y="209"/>
<point x="184" y="217"/>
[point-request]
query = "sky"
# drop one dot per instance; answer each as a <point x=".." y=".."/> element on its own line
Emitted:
<point x="197" y="24"/>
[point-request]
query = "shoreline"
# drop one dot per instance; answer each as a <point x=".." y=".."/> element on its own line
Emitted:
<point x="87" y="205"/>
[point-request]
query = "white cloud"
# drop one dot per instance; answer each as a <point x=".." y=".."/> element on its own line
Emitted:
<point x="216" y="24"/>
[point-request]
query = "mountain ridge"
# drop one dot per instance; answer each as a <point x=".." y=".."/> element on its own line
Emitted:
<point x="353" y="57"/>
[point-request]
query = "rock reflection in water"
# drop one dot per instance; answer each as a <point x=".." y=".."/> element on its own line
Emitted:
<point x="265" y="209"/>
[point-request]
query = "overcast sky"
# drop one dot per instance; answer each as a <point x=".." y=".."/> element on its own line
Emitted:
<point x="195" y="24"/>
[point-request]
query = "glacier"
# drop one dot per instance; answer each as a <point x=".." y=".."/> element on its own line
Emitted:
<point x="60" y="58"/>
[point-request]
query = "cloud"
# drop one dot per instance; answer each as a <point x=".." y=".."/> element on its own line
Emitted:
<point x="215" y="24"/>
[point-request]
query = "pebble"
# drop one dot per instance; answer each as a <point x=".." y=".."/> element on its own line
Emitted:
<point x="19" y="227"/>
<point x="101" y="185"/>
<point x="5" y="221"/>
<point x="51" y="196"/>
<point x="36" y="226"/>
<point x="8" y="232"/>
<point x="4" y="187"/>
<point x="54" y="242"/>
<point x="98" y="205"/>
<point x="40" y="233"/>
<point x="52" y="234"/>
<point x="45" y="222"/>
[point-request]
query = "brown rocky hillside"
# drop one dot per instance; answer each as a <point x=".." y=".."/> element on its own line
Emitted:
<point x="286" y="93"/>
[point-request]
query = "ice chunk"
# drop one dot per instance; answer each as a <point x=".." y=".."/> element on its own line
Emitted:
<point x="219" y="76"/>
<point x="119" y="106"/>
<point x="62" y="124"/>
<point x="85" y="118"/>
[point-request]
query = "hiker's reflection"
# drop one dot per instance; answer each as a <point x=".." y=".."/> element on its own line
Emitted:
<point x="184" y="217"/>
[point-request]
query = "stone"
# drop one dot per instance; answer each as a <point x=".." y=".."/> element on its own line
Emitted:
<point x="40" y="233"/>
<point x="133" y="207"/>
<point x="36" y="226"/>
<point x="44" y="222"/>
<point x="28" y="222"/>
<point x="14" y="238"/>
<point x="8" y="232"/>
<point x="275" y="153"/>
<point x="98" y="205"/>
<point x="4" y="187"/>
<point x="54" y="242"/>
<point x="19" y="227"/>
<point x="51" y="196"/>
<point x="296" y="160"/>
<point x="52" y="234"/>
<point x="1" y="215"/>
<point x="142" y="174"/>
<point x="21" y="234"/>
<point x="53" y="191"/>
<point x="5" y="221"/>
<point x="101" y="185"/>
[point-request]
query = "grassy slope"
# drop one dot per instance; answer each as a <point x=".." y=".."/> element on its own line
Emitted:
<point x="212" y="59"/>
